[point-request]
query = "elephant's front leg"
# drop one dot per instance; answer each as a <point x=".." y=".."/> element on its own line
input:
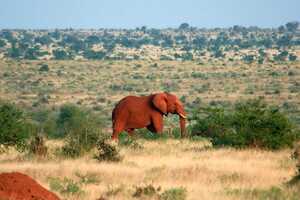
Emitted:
<point x="157" y="123"/>
<point x="130" y="131"/>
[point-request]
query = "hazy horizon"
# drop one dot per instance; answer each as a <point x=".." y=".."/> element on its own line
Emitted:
<point x="93" y="14"/>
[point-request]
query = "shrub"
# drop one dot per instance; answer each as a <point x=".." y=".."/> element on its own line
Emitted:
<point x="148" y="135"/>
<point x="129" y="141"/>
<point x="106" y="151"/>
<point x="47" y="121"/>
<point x="71" y="149"/>
<point x="148" y="190"/>
<point x="65" y="186"/>
<point x="15" y="128"/>
<point x="81" y="127"/>
<point x="37" y="146"/>
<point x="44" y="68"/>
<point x="296" y="156"/>
<point x="113" y="190"/>
<point x="274" y="193"/>
<point x="174" y="194"/>
<point x="249" y="123"/>
<point x="60" y="54"/>
<point x="88" y="178"/>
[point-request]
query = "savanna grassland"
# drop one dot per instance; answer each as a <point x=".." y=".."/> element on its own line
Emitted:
<point x="161" y="168"/>
<point x="100" y="84"/>
<point x="193" y="169"/>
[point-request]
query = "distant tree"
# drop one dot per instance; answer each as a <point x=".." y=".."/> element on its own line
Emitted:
<point x="266" y="42"/>
<point x="92" y="39"/>
<point x="55" y="34"/>
<point x="97" y="55"/>
<point x="155" y="33"/>
<point x="60" y="54"/>
<point x="262" y="55"/>
<point x="167" y="41"/>
<point x="184" y="26"/>
<point x="8" y="35"/>
<point x="44" y="68"/>
<point x="292" y="26"/>
<point x="200" y="42"/>
<point x="285" y="40"/>
<point x="109" y="46"/>
<point x="187" y="56"/>
<point x="27" y="38"/>
<point x="166" y="57"/>
<point x="2" y="43"/>
<point x="43" y="40"/>
<point x="281" y="29"/>
<point x="14" y="51"/>
<point x="238" y="29"/>
<point x="248" y="59"/>
<point x="262" y="52"/>
<point x="144" y="29"/>
<point x="180" y="39"/>
<point x="282" y="56"/>
<point x="218" y="53"/>
<point x="78" y="45"/>
<point x="260" y="60"/>
<point x="69" y="39"/>
<point x="31" y="54"/>
<point x="292" y="57"/>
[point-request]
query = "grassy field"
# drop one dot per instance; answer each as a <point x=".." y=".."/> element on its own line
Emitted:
<point x="191" y="166"/>
<point x="186" y="167"/>
<point x="100" y="84"/>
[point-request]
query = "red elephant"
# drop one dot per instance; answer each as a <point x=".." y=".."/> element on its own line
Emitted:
<point x="134" y="112"/>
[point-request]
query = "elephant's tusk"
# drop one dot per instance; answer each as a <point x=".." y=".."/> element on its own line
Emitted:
<point x="183" y="116"/>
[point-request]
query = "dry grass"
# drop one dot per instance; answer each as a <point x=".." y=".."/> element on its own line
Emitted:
<point x="205" y="172"/>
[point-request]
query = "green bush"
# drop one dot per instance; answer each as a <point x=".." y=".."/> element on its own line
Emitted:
<point x="66" y="186"/>
<point x="15" y="129"/>
<point x="174" y="194"/>
<point x="250" y="123"/>
<point x="47" y="121"/>
<point x="148" y="135"/>
<point x="274" y="193"/>
<point x="81" y="127"/>
<point x="106" y="151"/>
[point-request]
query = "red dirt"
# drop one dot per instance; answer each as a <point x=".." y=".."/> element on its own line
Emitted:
<point x="17" y="186"/>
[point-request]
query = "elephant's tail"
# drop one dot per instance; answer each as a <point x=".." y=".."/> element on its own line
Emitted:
<point x="113" y="115"/>
<point x="115" y="110"/>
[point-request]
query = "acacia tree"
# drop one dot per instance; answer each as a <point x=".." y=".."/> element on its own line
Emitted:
<point x="60" y="54"/>
<point x="292" y="26"/>
<point x="184" y="26"/>
<point x="2" y="43"/>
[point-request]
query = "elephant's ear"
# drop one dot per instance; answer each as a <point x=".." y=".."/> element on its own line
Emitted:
<point x="160" y="102"/>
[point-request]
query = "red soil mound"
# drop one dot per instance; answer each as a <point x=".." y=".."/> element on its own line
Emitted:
<point x="17" y="186"/>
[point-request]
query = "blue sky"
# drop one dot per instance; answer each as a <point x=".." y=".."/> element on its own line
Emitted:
<point x="152" y="13"/>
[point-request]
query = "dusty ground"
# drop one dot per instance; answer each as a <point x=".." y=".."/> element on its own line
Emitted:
<point x="205" y="173"/>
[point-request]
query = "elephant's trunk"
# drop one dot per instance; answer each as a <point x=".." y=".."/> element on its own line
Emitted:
<point x="182" y="126"/>
<point x="182" y="117"/>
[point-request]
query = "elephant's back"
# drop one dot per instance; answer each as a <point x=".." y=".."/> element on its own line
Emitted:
<point x="131" y="104"/>
<point x="133" y="101"/>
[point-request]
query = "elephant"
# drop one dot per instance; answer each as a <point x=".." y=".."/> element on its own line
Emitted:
<point x="135" y="112"/>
